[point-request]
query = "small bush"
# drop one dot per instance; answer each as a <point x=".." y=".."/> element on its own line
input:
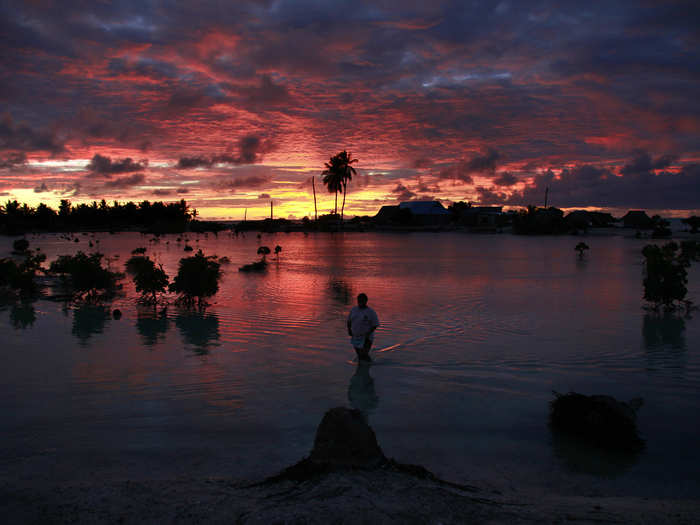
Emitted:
<point x="135" y="262"/>
<point x="19" y="277"/>
<point x="20" y="245"/>
<point x="85" y="273"/>
<point x="150" y="280"/>
<point x="197" y="278"/>
<point x="666" y="275"/>
<point x="138" y="251"/>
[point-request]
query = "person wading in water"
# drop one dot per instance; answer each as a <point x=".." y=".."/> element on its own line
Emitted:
<point x="362" y="322"/>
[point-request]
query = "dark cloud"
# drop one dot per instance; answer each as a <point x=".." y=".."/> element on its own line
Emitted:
<point x="251" y="150"/>
<point x="264" y="196"/>
<point x="245" y="183"/>
<point x="267" y="95"/>
<point x="162" y="192"/>
<point x="198" y="161"/>
<point x="485" y="163"/>
<point x="588" y="185"/>
<point x="13" y="160"/>
<point x="182" y="191"/>
<point x="402" y="193"/>
<point x="103" y="165"/>
<point x="21" y="137"/>
<point x="505" y="178"/>
<point x="41" y="189"/>
<point x="643" y="163"/>
<point x="126" y="182"/>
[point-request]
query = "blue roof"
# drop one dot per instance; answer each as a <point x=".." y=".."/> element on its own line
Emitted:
<point x="424" y="207"/>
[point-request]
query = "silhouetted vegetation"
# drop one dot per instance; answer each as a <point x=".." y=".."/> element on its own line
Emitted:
<point x="338" y="173"/>
<point x="19" y="277"/>
<point x="156" y="217"/>
<point x="85" y="274"/>
<point x="197" y="278"/>
<point x="602" y="421"/>
<point x="534" y="221"/>
<point x="150" y="280"/>
<point x="264" y="251"/>
<point x="20" y="245"/>
<point x="693" y="222"/>
<point x="581" y="249"/>
<point x="138" y="251"/>
<point x="661" y="228"/>
<point x="665" y="273"/>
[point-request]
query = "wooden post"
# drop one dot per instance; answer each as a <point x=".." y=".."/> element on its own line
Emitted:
<point x="245" y="215"/>
<point x="313" y="185"/>
<point x="546" y="194"/>
<point x="270" y="210"/>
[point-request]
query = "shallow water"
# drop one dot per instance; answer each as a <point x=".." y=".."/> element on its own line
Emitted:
<point x="476" y="333"/>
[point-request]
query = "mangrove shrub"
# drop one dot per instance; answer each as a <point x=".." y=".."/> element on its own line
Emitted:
<point x="665" y="272"/>
<point x="19" y="277"/>
<point x="85" y="273"/>
<point x="197" y="278"/>
<point x="149" y="279"/>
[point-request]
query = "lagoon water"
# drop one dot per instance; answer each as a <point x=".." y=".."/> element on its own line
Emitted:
<point x="476" y="333"/>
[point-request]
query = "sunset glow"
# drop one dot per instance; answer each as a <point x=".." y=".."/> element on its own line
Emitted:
<point x="233" y="105"/>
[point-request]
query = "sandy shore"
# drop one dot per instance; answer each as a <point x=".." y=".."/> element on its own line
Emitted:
<point x="353" y="496"/>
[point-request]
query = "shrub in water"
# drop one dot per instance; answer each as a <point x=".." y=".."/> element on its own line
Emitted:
<point x="149" y="279"/>
<point x="665" y="272"/>
<point x="20" y="245"/>
<point x="197" y="278"/>
<point x="20" y="276"/>
<point x="85" y="273"/>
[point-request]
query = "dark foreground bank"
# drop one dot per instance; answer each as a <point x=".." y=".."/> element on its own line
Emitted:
<point x="359" y="496"/>
<point x="345" y="479"/>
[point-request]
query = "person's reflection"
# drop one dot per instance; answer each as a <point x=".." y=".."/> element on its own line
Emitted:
<point x="361" y="393"/>
<point x="664" y="340"/>
<point x="199" y="330"/>
<point x="152" y="324"/>
<point x="22" y="315"/>
<point x="88" y="320"/>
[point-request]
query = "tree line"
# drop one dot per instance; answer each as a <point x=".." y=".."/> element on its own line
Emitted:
<point x="159" y="217"/>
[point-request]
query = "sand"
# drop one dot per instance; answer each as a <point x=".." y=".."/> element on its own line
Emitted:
<point x="381" y="495"/>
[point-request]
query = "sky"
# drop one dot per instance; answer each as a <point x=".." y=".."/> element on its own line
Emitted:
<point x="231" y="105"/>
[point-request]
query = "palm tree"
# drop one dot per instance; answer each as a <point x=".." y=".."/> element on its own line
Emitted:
<point x="333" y="178"/>
<point x="336" y="176"/>
<point x="348" y="172"/>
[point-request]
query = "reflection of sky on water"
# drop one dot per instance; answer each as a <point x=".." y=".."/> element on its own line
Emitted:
<point x="477" y="330"/>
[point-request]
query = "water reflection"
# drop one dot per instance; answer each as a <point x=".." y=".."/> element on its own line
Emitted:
<point x="199" y="329"/>
<point x="578" y="456"/>
<point x="361" y="392"/>
<point x="152" y="324"/>
<point x="22" y="315"/>
<point x="664" y="340"/>
<point x="88" y="320"/>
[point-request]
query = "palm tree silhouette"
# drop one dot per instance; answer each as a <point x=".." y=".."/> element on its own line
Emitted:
<point x="336" y="176"/>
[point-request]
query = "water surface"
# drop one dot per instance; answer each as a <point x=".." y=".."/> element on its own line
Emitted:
<point x="476" y="333"/>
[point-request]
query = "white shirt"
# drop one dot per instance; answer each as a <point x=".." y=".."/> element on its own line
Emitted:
<point x="362" y="320"/>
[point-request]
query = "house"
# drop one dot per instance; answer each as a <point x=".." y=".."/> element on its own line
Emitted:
<point x="637" y="219"/>
<point x="481" y="216"/>
<point x="426" y="213"/>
